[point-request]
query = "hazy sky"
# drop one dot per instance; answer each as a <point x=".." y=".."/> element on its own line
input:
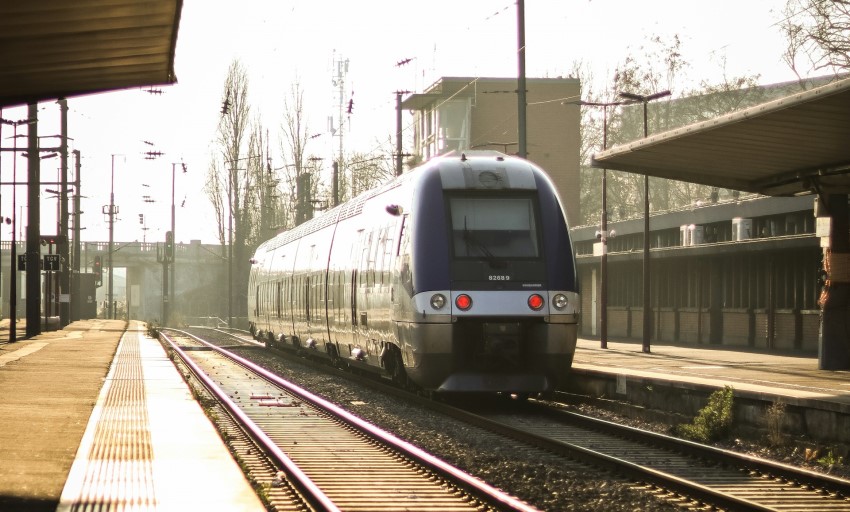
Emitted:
<point x="284" y="41"/>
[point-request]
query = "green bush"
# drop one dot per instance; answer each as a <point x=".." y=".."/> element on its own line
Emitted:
<point x="153" y="330"/>
<point x="713" y="421"/>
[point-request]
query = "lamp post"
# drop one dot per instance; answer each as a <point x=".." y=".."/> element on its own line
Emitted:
<point x="110" y="212"/>
<point x="603" y="221"/>
<point x="172" y="256"/>
<point x="13" y="256"/>
<point x="647" y="316"/>
<point x="230" y="181"/>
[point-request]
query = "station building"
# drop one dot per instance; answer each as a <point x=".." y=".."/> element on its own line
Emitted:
<point x="735" y="269"/>
<point x="743" y="272"/>
<point x="463" y="113"/>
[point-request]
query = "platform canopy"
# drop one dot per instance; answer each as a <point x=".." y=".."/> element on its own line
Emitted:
<point x="795" y="145"/>
<point x="63" y="48"/>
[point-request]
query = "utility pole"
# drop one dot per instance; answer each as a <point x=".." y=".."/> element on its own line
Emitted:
<point x="111" y="210"/>
<point x="339" y="81"/>
<point x="33" y="285"/>
<point x="76" y="286"/>
<point x="77" y="212"/>
<point x="398" y="130"/>
<point x="521" y="101"/>
<point x="62" y="239"/>
<point x="647" y="309"/>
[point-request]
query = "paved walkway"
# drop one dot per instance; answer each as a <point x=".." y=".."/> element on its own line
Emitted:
<point x="102" y="402"/>
<point x="794" y="376"/>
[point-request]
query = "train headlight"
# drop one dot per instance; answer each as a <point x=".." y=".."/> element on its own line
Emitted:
<point x="536" y="302"/>
<point x="438" y="300"/>
<point x="463" y="302"/>
<point x="559" y="301"/>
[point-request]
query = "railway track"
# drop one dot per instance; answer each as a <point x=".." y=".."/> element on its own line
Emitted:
<point x="706" y="476"/>
<point x="689" y="474"/>
<point x="329" y="459"/>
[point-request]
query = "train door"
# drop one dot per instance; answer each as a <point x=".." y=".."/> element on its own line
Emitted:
<point x="353" y="337"/>
<point x="306" y="332"/>
<point x="365" y="281"/>
<point x="360" y="300"/>
<point x="277" y="307"/>
<point x="315" y="313"/>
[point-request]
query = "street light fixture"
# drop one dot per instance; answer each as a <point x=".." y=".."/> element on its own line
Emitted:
<point x="647" y="316"/>
<point x="13" y="280"/>
<point x="603" y="228"/>
<point x="172" y="257"/>
<point x="230" y="178"/>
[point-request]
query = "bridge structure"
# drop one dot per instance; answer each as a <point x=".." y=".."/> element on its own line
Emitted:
<point x="200" y="286"/>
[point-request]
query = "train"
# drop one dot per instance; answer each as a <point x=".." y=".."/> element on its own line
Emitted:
<point x="458" y="276"/>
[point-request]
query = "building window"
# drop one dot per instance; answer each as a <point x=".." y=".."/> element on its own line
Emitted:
<point x="453" y="122"/>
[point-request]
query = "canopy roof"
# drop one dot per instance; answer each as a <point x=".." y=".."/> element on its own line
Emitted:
<point x="794" y="145"/>
<point x="60" y="48"/>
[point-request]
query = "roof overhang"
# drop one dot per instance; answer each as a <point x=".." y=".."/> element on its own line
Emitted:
<point x="58" y="48"/>
<point x="794" y="145"/>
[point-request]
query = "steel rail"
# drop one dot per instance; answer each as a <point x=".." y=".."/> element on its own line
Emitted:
<point x="476" y="487"/>
<point x="301" y="481"/>
<point x="774" y="469"/>
<point x="635" y="471"/>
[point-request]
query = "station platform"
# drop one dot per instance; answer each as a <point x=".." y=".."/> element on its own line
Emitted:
<point x="96" y="417"/>
<point x="679" y="378"/>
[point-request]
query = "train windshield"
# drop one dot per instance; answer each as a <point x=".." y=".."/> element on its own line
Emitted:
<point x="494" y="227"/>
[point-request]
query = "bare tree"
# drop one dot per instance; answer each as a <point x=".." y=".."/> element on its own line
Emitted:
<point x="369" y="171"/>
<point x="229" y="183"/>
<point x="299" y="172"/>
<point x="818" y="30"/>
<point x="643" y="75"/>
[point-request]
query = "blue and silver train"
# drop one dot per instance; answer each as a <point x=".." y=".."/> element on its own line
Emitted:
<point x="458" y="276"/>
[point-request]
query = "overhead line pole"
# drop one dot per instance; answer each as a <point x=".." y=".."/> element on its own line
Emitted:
<point x="63" y="247"/>
<point x="521" y="100"/>
<point x="647" y="310"/>
<point x="33" y="252"/>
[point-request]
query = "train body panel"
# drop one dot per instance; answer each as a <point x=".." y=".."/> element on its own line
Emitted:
<point x="458" y="275"/>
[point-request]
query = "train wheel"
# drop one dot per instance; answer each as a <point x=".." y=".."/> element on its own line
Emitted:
<point x="395" y="368"/>
<point x="334" y="355"/>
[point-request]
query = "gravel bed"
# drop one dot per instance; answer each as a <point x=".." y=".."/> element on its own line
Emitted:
<point x="794" y="452"/>
<point x="534" y="476"/>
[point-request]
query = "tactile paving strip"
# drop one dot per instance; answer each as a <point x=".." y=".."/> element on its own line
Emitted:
<point x="113" y="468"/>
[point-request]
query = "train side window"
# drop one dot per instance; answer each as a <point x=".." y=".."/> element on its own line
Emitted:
<point x="307" y="298"/>
<point x="402" y="232"/>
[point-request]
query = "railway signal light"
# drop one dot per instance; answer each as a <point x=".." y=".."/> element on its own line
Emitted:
<point x="169" y="246"/>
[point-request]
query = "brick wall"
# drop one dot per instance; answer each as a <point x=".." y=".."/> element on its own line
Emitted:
<point x="760" y="328"/>
<point x="811" y="329"/>
<point x="736" y="327"/>
<point x="618" y="322"/>
<point x="586" y="319"/>
<point x="637" y="323"/>
<point x="667" y="320"/>
<point x="689" y="328"/>
<point x="785" y="329"/>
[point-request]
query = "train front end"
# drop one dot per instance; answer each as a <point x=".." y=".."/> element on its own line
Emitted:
<point x="495" y="291"/>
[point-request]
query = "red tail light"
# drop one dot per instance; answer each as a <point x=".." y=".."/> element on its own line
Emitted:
<point x="536" y="302"/>
<point x="463" y="302"/>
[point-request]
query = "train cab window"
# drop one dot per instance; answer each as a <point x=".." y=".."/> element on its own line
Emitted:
<point x="494" y="227"/>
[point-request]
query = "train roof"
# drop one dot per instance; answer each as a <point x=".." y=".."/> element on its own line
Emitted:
<point x="354" y="206"/>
